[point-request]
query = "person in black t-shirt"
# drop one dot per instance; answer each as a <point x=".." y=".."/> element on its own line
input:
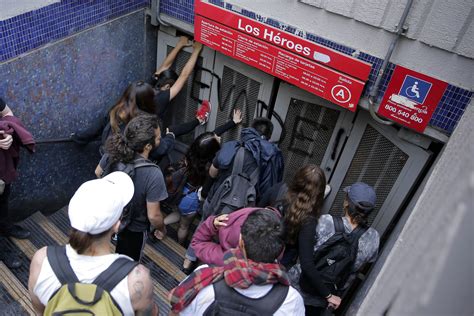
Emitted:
<point x="167" y="82"/>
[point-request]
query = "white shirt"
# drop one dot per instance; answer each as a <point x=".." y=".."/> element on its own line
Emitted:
<point x="87" y="269"/>
<point x="293" y="304"/>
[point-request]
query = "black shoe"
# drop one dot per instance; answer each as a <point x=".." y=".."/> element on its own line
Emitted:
<point x="190" y="269"/>
<point x="16" y="231"/>
<point x="10" y="260"/>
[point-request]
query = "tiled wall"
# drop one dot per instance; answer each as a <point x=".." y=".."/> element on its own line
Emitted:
<point x="30" y="30"/>
<point x="62" y="87"/>
<point x="447" y="114"/>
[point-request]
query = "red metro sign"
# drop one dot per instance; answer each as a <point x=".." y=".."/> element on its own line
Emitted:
<point x="411" y="98"/>
<point x="322" y="71"/>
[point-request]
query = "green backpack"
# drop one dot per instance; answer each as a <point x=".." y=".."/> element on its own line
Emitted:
<point x="76" y="298"/>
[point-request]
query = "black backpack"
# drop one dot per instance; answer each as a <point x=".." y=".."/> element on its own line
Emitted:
<point x="229" y="302"/>
<point x="237" y="190"/>
<point x="128" y="168"/>
<point x="336" y="257"/>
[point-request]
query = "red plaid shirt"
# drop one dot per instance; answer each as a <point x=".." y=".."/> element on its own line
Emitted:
<point x="237" y="271"/>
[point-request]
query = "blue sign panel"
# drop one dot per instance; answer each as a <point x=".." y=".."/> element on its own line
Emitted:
<point x="415" y="89"/>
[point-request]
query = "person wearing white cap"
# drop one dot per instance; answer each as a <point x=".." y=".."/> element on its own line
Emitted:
<point x="94" y="213"/>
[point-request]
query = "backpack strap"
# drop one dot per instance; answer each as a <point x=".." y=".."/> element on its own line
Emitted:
<point x="117" y="271"/>
<point x="338" y="224"/>
<point x="238" y="166"/>
<point x="60" y="265"/>
<point x="142" y="162"/>
<point x="265" y="305"/>
<point x="358" y="232"/>
<point x="254" y="176"/>
<point x="239" y="161"/>
<point x="339" y="228"/>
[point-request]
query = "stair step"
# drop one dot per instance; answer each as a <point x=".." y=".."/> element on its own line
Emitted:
<point x="164" y="259"/>
<point x="16" y="291"/>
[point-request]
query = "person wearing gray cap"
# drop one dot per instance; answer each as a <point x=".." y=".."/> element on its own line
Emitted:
<point x="358" y="204"/>
<point x="94" y="212"/>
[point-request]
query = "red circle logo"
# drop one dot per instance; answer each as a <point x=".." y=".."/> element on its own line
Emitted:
<point x="341" y="93"/>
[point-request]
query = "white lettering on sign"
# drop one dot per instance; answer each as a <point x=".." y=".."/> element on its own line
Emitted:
<point x="277" y="38"/>
<point x="248" y="28"/>
<point x="341" y="93"/>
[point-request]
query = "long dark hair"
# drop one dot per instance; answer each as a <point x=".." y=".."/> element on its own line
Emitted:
<point x="126" y="108"/>
<point x="305" y="198"/>
<point x="200" y="154"/>
<point x="138" y="133"/>
<point x="144" y="97"/>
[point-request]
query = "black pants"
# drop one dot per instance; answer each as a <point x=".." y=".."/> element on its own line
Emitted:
<point x="131" y="244"/>
<point x="5" y="221"/>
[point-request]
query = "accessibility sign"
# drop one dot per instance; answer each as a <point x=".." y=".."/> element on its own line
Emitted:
<point x="411" y="98"/>
<point x="415" y="89"/>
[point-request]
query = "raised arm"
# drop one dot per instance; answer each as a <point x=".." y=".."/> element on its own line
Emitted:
<point x="187" y="70"/>
<point x="236" y="119"/>
<point x="183" y="42"/>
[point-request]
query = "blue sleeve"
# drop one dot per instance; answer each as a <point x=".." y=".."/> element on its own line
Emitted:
<point x="166" y="145"/>
<point x="225" y="156"/>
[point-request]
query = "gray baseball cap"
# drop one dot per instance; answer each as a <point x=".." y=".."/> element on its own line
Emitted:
<point x="361" y="195"/>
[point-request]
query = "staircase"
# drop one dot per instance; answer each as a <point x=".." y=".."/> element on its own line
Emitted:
<point x="164" y="259"/>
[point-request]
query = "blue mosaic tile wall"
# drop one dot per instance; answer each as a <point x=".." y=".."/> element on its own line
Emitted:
<point x="30" y="30"/>
<point x="447" y="114"/>
<point x="182" y="10"/>
<point x="62" y="87"/>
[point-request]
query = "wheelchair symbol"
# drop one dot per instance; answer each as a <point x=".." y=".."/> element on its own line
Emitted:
<point x="413" y="91"/>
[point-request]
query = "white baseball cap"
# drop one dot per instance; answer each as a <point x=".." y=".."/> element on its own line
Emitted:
<point x="98" y="204"/>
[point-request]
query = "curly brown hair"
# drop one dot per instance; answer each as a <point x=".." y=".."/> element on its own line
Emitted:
<point x="305" y="199"/>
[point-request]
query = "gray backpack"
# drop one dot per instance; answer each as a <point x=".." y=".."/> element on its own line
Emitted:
<point x="128" y="168"/>
<point x="237" y="190"/>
